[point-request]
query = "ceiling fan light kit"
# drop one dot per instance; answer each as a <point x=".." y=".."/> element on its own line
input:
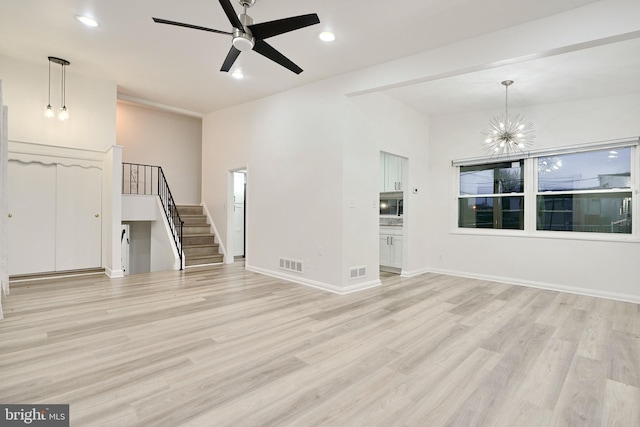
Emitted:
<point x="247" y="36"/>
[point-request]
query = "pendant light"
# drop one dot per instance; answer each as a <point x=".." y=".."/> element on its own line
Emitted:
<point x="48" y="112"/>
<point x="506" y="134"/>
<point x="63" y="114"/>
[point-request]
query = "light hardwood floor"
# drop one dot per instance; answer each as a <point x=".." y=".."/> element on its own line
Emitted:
<point x="225" y="347"/>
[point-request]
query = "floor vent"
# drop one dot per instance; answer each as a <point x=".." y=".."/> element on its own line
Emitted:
<point x="291" y="265"/>
<point x="357" y="272"/>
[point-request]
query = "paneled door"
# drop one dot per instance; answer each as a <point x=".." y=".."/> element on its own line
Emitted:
<point x="32" y="218"/>
<point x="78" y="218"/>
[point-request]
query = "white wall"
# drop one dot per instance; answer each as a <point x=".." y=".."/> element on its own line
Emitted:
<point x="291" y="145"/>
<point x="91" y="103"/>
<point x="379" y="123"/>
<point x="165" y="139"/>
<point x="163" y="253"/>
<point x="312" y="160"/>
<point x="606" y="268"/>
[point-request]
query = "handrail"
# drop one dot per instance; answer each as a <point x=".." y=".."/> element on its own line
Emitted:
<point x="140" y="180"/>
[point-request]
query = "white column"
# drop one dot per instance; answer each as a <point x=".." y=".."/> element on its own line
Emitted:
<point x="4" y="164"/>
<point x="112" y="208"/>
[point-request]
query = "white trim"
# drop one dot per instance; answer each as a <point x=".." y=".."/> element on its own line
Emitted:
<point x="113" y="274"/>
<point x="314" y="284"/>
<point x="591" y="146"/>
<point x="24" y="147"/>
<point x="539" y="285"/>
<point x="176" y="256"/>
<point x="221" y="248"/>
<point x="139" y="102"/>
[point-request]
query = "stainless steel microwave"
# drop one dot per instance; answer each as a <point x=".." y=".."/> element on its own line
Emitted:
<point x="391" y="204"/>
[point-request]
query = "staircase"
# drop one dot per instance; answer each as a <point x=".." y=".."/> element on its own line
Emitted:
<point x="198" y="243"/>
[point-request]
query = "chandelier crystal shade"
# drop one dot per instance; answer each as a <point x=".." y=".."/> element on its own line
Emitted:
<point x="506" y="134"/>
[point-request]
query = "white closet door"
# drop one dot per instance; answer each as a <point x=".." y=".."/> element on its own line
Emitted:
<point x="32" y="222"/>
<point x="78" y="218"/>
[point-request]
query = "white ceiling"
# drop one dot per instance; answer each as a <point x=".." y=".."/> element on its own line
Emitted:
<point x="179" y="67"/>
<point x="606" y="70"/>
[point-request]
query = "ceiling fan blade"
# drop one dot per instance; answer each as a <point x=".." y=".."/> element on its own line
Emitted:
<point x="273" y="28"/>
<point x="195" y="27"/>
<point x="266" y="50"/>
<point x="230" y="59"/>
<point x="231" y="14"/>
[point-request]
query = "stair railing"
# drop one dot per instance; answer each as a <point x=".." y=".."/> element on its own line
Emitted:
<point x="150" y="180"/>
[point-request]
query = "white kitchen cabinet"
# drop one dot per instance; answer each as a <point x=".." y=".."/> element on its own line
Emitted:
<point x="390" y="173"/>
<point x="391" y="247"/>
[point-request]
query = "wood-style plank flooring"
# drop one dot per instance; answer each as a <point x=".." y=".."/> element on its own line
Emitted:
<point x="221" y="346"/>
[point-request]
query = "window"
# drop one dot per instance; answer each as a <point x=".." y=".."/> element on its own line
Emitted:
<point x="585" y="192"/>
<point x="492" y="196"/>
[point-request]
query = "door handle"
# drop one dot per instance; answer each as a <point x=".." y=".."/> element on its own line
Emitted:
<point x="10" y="216"/>
<point x="97" y="215"/>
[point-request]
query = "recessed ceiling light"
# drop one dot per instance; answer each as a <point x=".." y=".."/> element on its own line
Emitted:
<point x="86" y="20"/>
<point x="327" y="36"/>
<point x="237" y="74"/>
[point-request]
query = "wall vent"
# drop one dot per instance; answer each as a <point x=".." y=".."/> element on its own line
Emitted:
<point x="291" y="265"/>
<point x="357" y="272"/>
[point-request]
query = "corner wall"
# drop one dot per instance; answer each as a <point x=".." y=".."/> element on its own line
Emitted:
<point x="172" y="141"/>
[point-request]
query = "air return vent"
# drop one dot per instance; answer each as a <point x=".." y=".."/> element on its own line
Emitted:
<point x="357" y="272"/>
<point x="291" y="265"/>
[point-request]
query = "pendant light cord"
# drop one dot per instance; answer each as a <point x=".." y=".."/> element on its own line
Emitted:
<point x="63" y="88"/>
<point x="49" y="103"/>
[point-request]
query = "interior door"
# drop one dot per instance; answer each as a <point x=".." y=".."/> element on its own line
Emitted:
<point x="32" y="218"/>
<point x="239" y="188"/>
<point x="78" y="218"/>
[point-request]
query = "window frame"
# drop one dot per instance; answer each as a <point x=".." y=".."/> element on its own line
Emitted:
<point x="531" y="193"/>
<point x="494" y="195"/>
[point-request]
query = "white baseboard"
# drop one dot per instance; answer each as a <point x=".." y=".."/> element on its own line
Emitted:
<point x="538" y="285"/>
<point x="315" y="284"/>
<point x="114" y="274"/>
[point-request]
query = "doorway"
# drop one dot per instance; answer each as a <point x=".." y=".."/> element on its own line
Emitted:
<point x="239" y="214"/>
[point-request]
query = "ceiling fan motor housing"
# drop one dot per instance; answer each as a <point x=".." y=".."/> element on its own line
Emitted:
<point x="242" y="38"/>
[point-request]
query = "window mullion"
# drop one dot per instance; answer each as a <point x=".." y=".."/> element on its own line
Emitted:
<point x="530" y="194"/>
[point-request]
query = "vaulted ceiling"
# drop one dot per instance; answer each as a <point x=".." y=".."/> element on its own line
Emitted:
<point x="179" y="67"/>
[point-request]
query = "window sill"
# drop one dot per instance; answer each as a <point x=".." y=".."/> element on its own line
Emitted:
<point x="563" y="235"/>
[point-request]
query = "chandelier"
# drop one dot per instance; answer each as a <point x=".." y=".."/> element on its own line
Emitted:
<point x="506" y="134"/>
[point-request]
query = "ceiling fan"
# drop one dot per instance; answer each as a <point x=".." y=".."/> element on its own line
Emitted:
<point x="249" y="36"/>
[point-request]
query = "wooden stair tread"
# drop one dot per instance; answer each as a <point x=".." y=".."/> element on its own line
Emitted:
<point x="195" y="223"/>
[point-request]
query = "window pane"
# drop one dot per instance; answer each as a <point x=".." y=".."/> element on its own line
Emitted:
<point x="492" y="212"/>
<point x="596" y="213"/>
<point x="585" y="171"/>
<point x="497" y="178"/>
